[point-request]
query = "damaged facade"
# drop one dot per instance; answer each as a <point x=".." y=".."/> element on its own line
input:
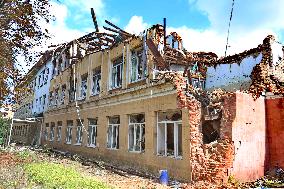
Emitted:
<point x="145" y="102"/>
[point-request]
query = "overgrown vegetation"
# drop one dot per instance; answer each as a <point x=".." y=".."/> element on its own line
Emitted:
<point x="4" y="128"/>
<point x="52" y="175"/>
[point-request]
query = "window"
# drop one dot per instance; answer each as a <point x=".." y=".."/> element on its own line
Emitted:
<point x="84" y="85"/>
<point x="169" y="134"/>
<point x="69" y="131"/>
<point x="136" y="133"/>
<point x="79" y="132"/>
<point x="113" y="132"/>
<point x="39" y="81"/>
<point x="116" y="76"/>
<point x="52" y="128"/>
<point x="45" y="134"/>
<point x="72" y="90"/>
<point x="44" y="99"/>
<point x="138" y="66"/>
<point x="59" y="130"/>
<point x="198" y="83"/>
<point x="50" y="98"/>
<point x="92" y="132"/>
<point x="62" y="96"/>
<point x="46" y="76"/>
<point x="56" y="97"/>
<point x="96" y="83"/>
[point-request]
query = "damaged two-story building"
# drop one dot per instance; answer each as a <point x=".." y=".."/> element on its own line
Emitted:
<point x="147" y="103"/>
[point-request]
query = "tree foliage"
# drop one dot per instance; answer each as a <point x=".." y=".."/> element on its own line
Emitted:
<point x="21" y="24"/>
<point x="4" y="128"/>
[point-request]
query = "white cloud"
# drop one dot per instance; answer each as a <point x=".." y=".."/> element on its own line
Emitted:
<point x="136" y="25"/>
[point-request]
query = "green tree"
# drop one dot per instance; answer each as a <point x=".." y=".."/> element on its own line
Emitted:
<point x="4" y="129"/>
<point x="21" y="30"/>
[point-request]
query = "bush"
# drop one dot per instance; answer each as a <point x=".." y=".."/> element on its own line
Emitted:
<point x="52" y="175"/>
<point x="4" y="128"/>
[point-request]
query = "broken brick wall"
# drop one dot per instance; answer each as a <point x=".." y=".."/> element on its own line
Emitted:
<point x="275" y="129"/>
<point x="249" y="137"/>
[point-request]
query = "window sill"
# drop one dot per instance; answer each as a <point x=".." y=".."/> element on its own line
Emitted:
<point x="136" y="152"/>
<point x="68" y="142"/>
<point x="173" y="157"/>
<point x="77" y="144"/>
<point x="112" y="148"/>
<point x="91" y="146"/>
<point x="51" y="140"/>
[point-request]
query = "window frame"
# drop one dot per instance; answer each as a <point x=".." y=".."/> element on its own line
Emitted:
<point x="92" y="141"/>
<point x="114" y="78"/>
<point x="69" y="129"/>
<point x="59" y="131"/>
<point x="79" y="130"/>
<point x="176" y="134"/>
<point x="135" y="53"/>
<point x="52" y="131"/>
<point x="110" y="140"/>
<point x="96" y="83"/>
<point x="141" y="137"/>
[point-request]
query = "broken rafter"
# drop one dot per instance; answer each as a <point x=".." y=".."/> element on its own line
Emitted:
<point x="118" y="28"/>
<point x="94" y="19"/>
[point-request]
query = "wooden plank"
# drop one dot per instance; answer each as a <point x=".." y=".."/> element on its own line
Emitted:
<point x="95" y="19"/>
<point x="156" y="53"/>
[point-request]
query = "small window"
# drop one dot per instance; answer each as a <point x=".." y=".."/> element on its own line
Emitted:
<point x="92" y="132"/>
<point x="59" y="130"/>
<point x="69" y="131"/>
<point x="169" y="134"/>
<point x="138" y="66"/>
<point x="84" y="85"/>
<point x="56" y="97"/>
<point x="113" y="132"/>
<point x="62" y="96"/>
<point x="44" y="99"/>
<point x="116" y="73"/>
<point x="79" y="132"/>
<point x="52" y="129"/>
<point x="136" y="133"/>
<point x="96" y="83"/>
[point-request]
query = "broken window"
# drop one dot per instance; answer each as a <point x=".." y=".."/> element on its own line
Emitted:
<point x="211" y="130"/>
<point x="136" y="133"/>
<point x="72" y="90"/>
<point x="45" y="134"/>
<point x="96" y="83"/>
<point x="59" y="130"/>
<point x="79" y="131"/>
<point x="62" y="96"/>
<point x="50" y="99"/>
<point x="84" y="86"/>
<point x="93" y="132"/>
<point x="52" y="128"/>
<point x="113" y="132"/>
<point x="198" y="83"/>
<point x="56" y="97"/>
<point x="138" y="66"/>
<point x="44" y="99"/>
<point x="116" y="73"/>
<point x="69" y="131"/>
<point x="169" y="134"/>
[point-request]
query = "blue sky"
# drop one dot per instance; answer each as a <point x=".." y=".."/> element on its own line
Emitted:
<point x="203" y="24"/>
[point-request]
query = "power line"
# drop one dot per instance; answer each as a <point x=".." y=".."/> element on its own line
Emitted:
<point x="229" y="27"/>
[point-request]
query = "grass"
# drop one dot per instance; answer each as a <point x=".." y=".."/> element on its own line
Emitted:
<point x="51" y="175"/>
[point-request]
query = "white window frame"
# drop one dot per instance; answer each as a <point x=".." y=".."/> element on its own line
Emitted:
<point x="52" y="132"/>
<point x="96" y="82"/>
<point x="176" y="135"/>
<point x="79" y="132"/>
<point x="83" y="87"/>
<point x="59" y="132"/>
<point x="110" y="140"/>
<point x="92" y="142"/>
<point x="69" y="133"/>
<point x="135" y="55"/>
<point x="136" y="126"/>
<point x="115" y="67"/>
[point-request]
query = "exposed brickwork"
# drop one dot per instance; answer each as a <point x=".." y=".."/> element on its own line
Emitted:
<point x="209" y="162"/>
<point x="275" y="128"/>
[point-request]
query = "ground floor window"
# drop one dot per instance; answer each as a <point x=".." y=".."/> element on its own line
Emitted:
<point x="59" y="130"/>
<point x="113" y="132"/>
<point x="93" y="132"/>
<point x="52" y="130"/>
<point x="69" y="132"/>
<point x="136" y="133"/>
<point x="169" y="134"/>
<point x="45" y="134"/>
<point x="79" y="131"/>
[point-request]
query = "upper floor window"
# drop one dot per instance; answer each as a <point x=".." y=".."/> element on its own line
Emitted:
<point x="138" y="66"/>
<point x="62" y="96"/>
<point x="96" y="82"/>
<point x="72" y="89"/>
<point x="116" y="73"/>
<point x="84" y="85"/>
